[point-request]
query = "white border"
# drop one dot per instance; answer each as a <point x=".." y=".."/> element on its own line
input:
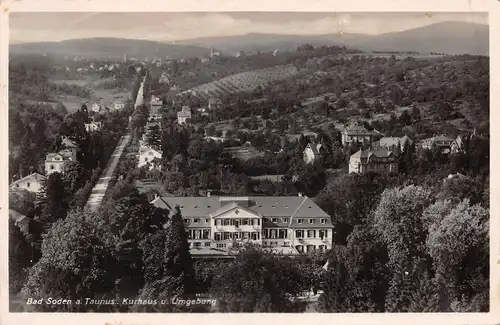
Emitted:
<point x="491" y="6"/>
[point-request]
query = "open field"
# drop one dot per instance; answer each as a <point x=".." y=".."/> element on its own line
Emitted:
<point x="245" y="81"/>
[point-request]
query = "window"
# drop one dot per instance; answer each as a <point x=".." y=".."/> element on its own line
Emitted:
<point x="322" y="247"/>
<point x="311" y="221"/>
<point x="218" y="236"/>
<point x="207" y="244"/>
<point x="274" y="220"/>
<point x="310" y="248"/>
<point x="255" y="236"/>
<point x="245" y="235"/>
<point x="323" y="221"/>
<point x="186" y="221"/>
<point x="17" y="185"/>
<point x="195" y="220"/>
<point x="299" y="233"/>
<point x="300" y="248"/>
<point x="227" y="222"/>
<point x="51" y="166"/>
<point x="197" y="244"/>
<point x="311" y="233"/>
<point x="286" y="244"/>
<point x="221" y="245"/>
<point x="273" y="233"/>
<point x="257" y="222"/>
<point x="206" y="234"/>
<point x="207" y="220"/>
<point x="299" y="221"/>
<point x="285" y="219"/>
<point x="282" y="233"/>
<point x="227" y="235"/>
<point x="28" y="184"/>
<point x="245" y="221"/>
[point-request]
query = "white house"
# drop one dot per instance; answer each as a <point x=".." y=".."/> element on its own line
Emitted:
<point x="54" y="163"/>
<point x="184" y="115"/>
<point x="147" y="155"/>
<point x="32" y="183"/>
<point x="93" y="126"/>
<point x="312" y="152"/>
<point x="291" y="224"/>
<point x="95" y="108"/>
<point x="376" y="161"/>
<point x="118" y="105"/>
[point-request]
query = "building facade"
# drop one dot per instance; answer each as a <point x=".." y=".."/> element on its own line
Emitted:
<point x="32" y="183"/>
<point x="183" y="115"/>
<point x="376" y="161"/>
<point x="358" y="134"/>
<point x="286" y="223"/>
<point x="312" y="152"/>
<point x="441" y="142"/>
<point x="147" y="156"/>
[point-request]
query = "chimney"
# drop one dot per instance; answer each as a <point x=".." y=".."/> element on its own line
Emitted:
<point x="300" y="194"/>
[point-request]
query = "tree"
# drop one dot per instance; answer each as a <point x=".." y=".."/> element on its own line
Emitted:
<point x="349" y="200"/>
<point x="56" y="199"/>
<point x="20" y="257"/>
<point x="76" y="263"/>
<point x="153" y="136"/>
<point x="398" y="222"/>
<point x="458" y="243"/>
<point x="257" y="281"/>
<point x="131" y="221"/>
<point x="73" y="175"/>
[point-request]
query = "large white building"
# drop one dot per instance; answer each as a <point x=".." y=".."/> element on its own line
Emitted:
<point x="147" y="156"/>
<point x="32" y="183"/>
<point x="54" y="162"/>
<point x="376" y="161"/>
<point x="289" y="224"/>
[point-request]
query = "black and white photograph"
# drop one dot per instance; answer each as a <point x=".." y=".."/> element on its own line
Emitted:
<point x="248" y="162"/>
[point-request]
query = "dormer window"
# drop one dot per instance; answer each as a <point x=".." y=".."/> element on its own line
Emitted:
<point x="311" y="221"/>
<point x="299" y="221"/>
<point x="323" y="221"/>
<point x="274" y="220"/>
<point x="285" y="219"/>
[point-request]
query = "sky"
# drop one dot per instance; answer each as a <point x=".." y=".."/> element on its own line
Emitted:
<point x="175" y="26"/>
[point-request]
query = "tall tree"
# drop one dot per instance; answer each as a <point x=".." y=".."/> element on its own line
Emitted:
<point x="76" y="263"/>
<point x="56" y="199"/>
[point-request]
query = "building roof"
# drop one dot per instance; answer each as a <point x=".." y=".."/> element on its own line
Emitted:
<point x="267" y="206"/>
<point x="369" y="153"/>
<point x="143" y="149"/>
<point x="358" y="129"/>
<point x="53" y="155"/>
<point x="36" y="176"/>
<point x="389" y="141"/>
<point x="186" y="114"/>
<point x="66" y="142"/>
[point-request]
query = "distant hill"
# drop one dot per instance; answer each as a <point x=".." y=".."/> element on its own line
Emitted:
<point x="446" y="37"/>
<point x="112" y="48"/>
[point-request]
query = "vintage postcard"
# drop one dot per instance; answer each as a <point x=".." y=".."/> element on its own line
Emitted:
<point x="214" y="162"/>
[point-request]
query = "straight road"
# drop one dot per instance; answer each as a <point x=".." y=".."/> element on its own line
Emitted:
<point x="101" y="186"/>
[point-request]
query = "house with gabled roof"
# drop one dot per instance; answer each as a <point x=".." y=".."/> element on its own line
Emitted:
<point x="32" y="183"/>
<point x="391" y="143"/>
<point x="184" y="115"/>
<point x="438" y="141"/>
<point x="358" y="134"/>
<point x="294" y="224"/>
<point x="148" y="156"/>
<point x="376" y="161"/>
<point x="313" y="152"/>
